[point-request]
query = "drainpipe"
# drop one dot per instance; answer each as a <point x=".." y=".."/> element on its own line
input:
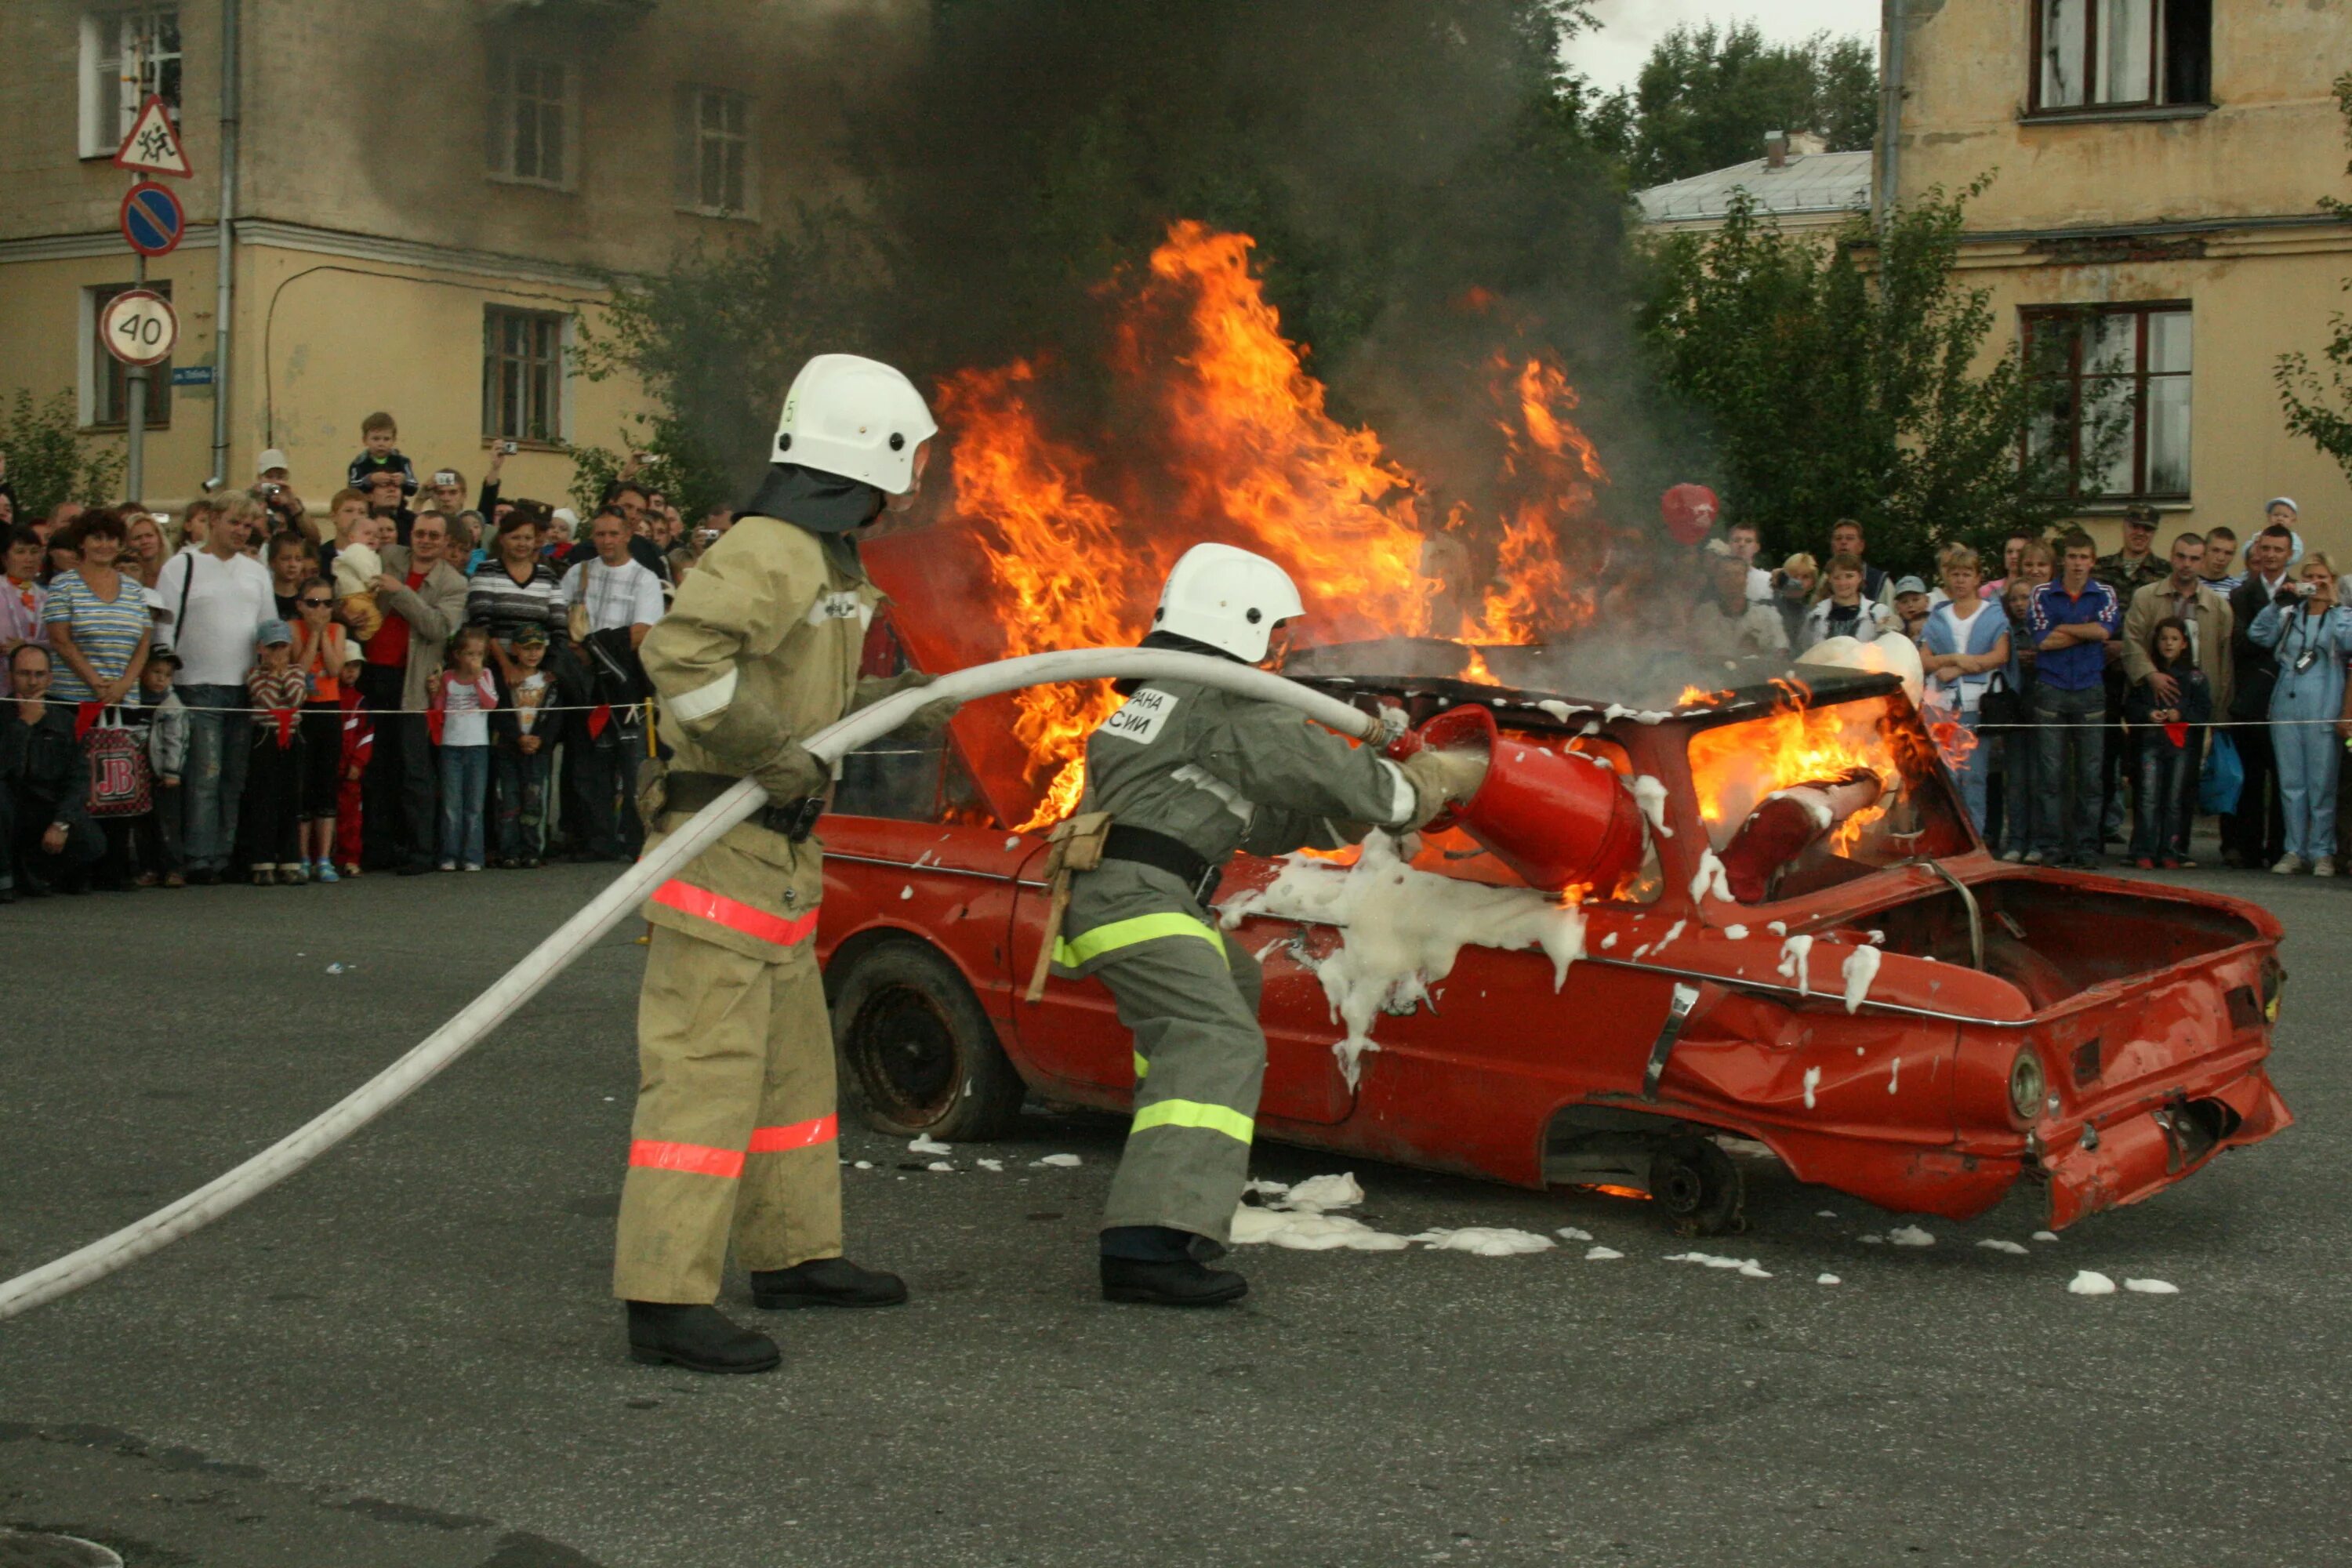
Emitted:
<point x="225" y="260"/>
<point x="1894" y="23"/>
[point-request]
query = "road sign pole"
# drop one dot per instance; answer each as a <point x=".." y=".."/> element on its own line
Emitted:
<point x="135" y="478"/>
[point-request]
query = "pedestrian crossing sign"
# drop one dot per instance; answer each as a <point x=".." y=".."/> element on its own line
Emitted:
<point x="154" y="146"/>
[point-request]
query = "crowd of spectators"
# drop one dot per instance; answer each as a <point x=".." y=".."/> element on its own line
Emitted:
<point x="260" y="690"/>
<point x="2084" y="680"/>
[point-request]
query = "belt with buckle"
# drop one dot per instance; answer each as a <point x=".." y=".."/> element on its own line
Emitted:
<point x="1172" y="855"/>
<point x="690" y="792"/>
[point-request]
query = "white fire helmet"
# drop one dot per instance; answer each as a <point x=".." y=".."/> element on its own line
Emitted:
<point x="855" y="418"/>
<point x="1227" y="598"/>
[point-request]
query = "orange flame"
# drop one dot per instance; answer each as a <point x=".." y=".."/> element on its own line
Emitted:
<point x="1735" y="766"/>
<point x="1223" y="435"/>
<point x="1698" y="697"/>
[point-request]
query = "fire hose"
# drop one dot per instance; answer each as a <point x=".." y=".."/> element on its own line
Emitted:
<point x="609" y="909"/>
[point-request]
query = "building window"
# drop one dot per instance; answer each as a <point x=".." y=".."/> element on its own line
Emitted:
<point x="523" y="374"/>
<point x="714" y="154"/>
<point x="109" y="379"/>
<point x="2113" y="410"/>
<point x="531" y="117"/>
<point x="125" y="56"/>
<point x="2091" y="55"/>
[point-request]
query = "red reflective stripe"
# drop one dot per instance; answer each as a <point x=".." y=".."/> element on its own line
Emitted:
<point x="689" y="900"/>
<point x="697" y="1158"/>
<point x="799" y="1135"/>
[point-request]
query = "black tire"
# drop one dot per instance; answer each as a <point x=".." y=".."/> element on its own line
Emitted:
<point x="1698" y="1187"/>
<point x="917" y="1049"/>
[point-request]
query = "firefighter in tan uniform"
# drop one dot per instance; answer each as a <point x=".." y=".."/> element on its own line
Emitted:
<point x="734" y="1134"/>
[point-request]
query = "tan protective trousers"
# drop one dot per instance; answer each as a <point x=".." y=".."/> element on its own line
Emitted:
<point x="735" y="1128"/>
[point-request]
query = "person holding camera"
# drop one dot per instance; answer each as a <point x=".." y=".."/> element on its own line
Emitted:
<point x="2310" y="634"/>
<point x="275" y="492"/>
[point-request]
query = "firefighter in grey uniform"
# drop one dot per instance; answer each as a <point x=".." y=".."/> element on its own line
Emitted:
<point x="734" y="1134"/>
<point x="1188" y="776"/>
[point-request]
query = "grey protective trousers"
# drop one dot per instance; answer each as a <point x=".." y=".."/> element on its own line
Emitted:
<point x="1189" y="997"/>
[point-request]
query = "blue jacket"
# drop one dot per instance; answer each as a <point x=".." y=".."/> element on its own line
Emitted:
<point x="2316" y="689"/>
<point x="2083" y="667"/>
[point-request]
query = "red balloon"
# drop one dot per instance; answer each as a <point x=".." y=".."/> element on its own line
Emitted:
<point x="1690" y="512"/>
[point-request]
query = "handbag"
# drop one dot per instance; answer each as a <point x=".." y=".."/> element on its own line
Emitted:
<point x="120" y="783"/>
<point x="2224" y="778"/>
<point x="1999" y="708"/>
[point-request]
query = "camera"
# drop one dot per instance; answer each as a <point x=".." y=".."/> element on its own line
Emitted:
<point x="445" y="477"/>
<point x="509" y="447"/>
<point x="271" y="490"/>
<point x="706" y="537"/>
<point x="2305" y="590"/>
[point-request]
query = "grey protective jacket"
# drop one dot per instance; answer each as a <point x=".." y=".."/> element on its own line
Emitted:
<point x="1221" y="772"/>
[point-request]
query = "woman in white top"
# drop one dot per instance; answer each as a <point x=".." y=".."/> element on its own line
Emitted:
<point x="1842" y="611"/>
<point x="1966" y="641"/>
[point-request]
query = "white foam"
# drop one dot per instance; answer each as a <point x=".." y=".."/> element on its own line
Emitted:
<point x="1309" y="1232"/>
<point x="2045" y="1236"/>
<point x="2090" y="1282"/>
<point x="1320" y="1194"/>
<point x="908" y="891"/>
<point x="1569" y="1232"/>
<point x="1813" y="1082"/>
<point x="1709" y="878"/>
<point x="1609" y="941"/>
<point x="1485" y="1242"/>
<point x="1014" y="842"/>
<point x="1910" y="1235"/>
<point x="1598" y="1254"/>
<point x="1747" y="1267"/>
<point x="1405" y="928"/>
<point x="1650" y="794"/>
<point x="1861" y="967"/>
<point x="1827" y="1279"/>
<point x="938" y="1165"/>
<point x="1995" y="1244"/>
<point x="989" y="1164"/>
<point x="925" y="1144"/>
<point x="1059" y="1162"/>
<point x="2152" y="1286"/>
<point x="1796" y="952"/>
<point x="1737" y="933"/>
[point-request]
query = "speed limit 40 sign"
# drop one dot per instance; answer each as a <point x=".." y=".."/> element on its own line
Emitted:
<point x="139" y="327"/>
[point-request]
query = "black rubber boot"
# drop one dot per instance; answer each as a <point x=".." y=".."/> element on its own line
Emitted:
<point x="825" y="1282"/>
<point x="1179" y="1283"/>
<point x="697" y="1338"/>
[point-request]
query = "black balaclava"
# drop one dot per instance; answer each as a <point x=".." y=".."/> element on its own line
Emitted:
<point x="1173" y="642"/>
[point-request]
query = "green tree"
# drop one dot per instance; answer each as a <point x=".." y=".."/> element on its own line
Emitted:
<point x="1840" y="381"/>
<point x="1706" y="96"/>
<point x="49" y="460"/>
<point x="2321" y="413"/>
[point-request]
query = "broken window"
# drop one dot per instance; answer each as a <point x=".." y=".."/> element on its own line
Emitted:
<point x="523" y="374"/>
<point x="530" y="120"/>
<point x="2113" y="405"/>
<point x="2121" y="53"/>
<point x="126" y="57"/>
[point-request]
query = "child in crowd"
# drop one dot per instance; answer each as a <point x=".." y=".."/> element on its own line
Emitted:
<point x="293" y="561"/>
<point x="347" y="514"/>
<point x="166" y="720"/>
<point x="1912" y="607"/>
<point x="357" y="745"/>
<point x="269" y="821"/>
<point x="380" y="438"/>
<point x="2018" y="800"/>
<point x="523" y="734"/>
<point x="357" y="566"/>
<point x="321" y="651"/>
<point x="464" y="695"/>
<point x="2163" y="729"/>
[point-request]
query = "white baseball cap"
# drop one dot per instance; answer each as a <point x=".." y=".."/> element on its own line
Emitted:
<point x="272" y="459"/>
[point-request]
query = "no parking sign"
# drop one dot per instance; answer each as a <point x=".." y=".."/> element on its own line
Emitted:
<point x="152" y="219"/>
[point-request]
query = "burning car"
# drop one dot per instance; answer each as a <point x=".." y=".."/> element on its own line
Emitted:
<point x="1836" y="970"/>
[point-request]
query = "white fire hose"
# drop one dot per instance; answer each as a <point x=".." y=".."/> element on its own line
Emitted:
<point x="609" y="909"/>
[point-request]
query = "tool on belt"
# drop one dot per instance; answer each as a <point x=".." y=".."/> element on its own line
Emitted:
<point x="1075" y="845"/>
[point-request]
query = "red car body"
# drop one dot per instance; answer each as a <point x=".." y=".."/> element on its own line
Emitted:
<point x="2147" y="1009"/>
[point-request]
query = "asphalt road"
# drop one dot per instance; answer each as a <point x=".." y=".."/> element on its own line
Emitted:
<point x="407" y="1355"/>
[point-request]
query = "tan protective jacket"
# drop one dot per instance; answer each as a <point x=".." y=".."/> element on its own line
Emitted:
<point x="761" y="645"/>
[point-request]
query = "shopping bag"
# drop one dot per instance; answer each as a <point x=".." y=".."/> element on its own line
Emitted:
<point x="2224" y="776"/>
<point x="119" y="782"/>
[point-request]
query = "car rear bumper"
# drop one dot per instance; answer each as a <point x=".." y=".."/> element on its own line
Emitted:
<point x="2140" y="1155"/>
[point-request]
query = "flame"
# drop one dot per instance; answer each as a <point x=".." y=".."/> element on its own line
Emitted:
<point x="1955" y="741"/>
<point x="1698" y="697"/>
<point x="1223" y="434"/>
<point x="1734" y="766"/>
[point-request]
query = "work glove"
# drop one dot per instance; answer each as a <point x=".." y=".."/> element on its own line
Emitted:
<point x="791" y="771"/>
<point x="1440" y="780"/>
<point x="924" y="721"/>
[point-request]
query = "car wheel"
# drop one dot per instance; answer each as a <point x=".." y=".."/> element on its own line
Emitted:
<point x="1695" y="1181"/>
<point x="920" y="1053"/>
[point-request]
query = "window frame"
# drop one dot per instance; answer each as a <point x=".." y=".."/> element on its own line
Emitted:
<point x="501" y="131"/>
<point x="105" y="380"/>
<point x="496" y="363"/>
<point x="2144" y="311"/>
<point x="2156" y="103"/>
<point x="694" y="139"/>
<point x="102" y="85"/>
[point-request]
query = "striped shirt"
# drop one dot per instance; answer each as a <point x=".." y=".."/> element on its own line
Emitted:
<point x="105" y="634"/>
<point x="504" y="605"/>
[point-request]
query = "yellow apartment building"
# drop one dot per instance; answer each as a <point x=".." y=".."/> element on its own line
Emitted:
<point x="2153" y="232"/>
<point x="424" y="202"/>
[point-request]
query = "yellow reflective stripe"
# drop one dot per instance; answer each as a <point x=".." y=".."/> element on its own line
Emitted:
<point x="1194" y="1113"/>
<point x="1142" y="1067"/>
<point x="1128" y="933"/>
